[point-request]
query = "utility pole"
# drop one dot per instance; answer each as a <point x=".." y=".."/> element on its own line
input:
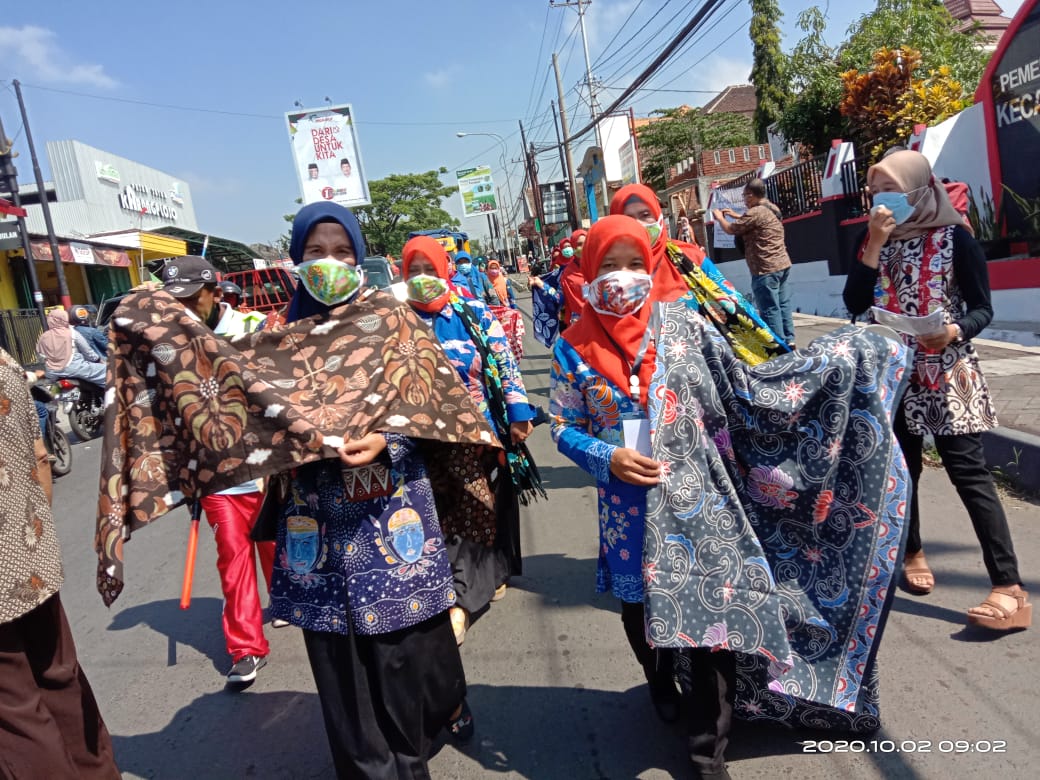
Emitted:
<point x="582" y="5"/>
<point x="566" y="141"/>
<point x="9" y="174"/>
<point x="63" y="286"/>
<point x="536" y="194"/>
<point x="572" y="197"/>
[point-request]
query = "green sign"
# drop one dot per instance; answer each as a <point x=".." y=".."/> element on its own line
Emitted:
<point x="477" y="189"/>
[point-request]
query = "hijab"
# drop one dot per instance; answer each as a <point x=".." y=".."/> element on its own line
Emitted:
<point x="932" y="208"/>
<point x="303" y="304"/>
<point x="499" y="282"/>
<point x="430" y="249"/>
<point x="609" y="344"/>
<point x="646" y="195"/>
<point x="55" y="343"/>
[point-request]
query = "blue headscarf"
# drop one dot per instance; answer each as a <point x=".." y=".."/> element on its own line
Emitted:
<point x="302" y="304"/>
<point x="471" y="281"/>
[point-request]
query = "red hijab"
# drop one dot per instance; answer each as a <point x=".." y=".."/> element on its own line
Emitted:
<point x="649" y="197"/>
<point x="436" y="254"/>
<point x="609" y="344"/>
<point x="571" y="281"/>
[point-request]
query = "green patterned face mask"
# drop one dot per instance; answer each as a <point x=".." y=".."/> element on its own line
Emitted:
<point x="330" y="281"/>
<point x="424" y="288"/>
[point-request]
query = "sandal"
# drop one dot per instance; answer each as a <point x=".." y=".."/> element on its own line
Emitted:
<point x="1020" y="617"/>
<point x="461" y="728"/>
<point x="915" y="567"/>
<point x="459" y="623"/>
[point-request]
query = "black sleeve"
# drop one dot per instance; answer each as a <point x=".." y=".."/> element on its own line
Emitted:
<point x="972" y="276"/>
<point x="860" y="283"/>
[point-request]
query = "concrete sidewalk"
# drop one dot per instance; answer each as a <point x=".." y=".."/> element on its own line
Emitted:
<point x="1013" y="375"/>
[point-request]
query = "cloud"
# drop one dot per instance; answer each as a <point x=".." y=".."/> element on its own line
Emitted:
<point x="604" y="23"/>
<point x="37" y="49"/>
<point x="439" y="79"/>
<point x="211" y="185"/>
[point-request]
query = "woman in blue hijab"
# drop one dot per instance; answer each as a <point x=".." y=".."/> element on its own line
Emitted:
<point x="388" y="678"/>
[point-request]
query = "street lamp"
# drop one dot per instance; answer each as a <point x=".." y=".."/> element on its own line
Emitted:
<point x="509" y="189"/>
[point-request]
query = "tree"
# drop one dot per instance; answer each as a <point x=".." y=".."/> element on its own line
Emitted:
<point x="677" y="133"/>
<point x="812" y="117"/>
<point x="767" y="72"/>
<point x="401" y="203"/>
<point x="884" y="104"/>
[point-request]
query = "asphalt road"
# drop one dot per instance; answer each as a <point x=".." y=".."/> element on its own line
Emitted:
<point x="553" y="686"/>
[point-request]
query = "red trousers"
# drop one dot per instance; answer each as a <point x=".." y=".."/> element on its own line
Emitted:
<point x="232" y="518"/>
<point x="49" y="721"/>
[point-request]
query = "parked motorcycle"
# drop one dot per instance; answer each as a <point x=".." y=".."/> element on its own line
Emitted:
<point x="54" y="437"/>
<point x="84" y="403"/>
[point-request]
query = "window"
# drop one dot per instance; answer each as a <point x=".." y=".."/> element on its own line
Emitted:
<point x="732" y="155"/>
<point x="747" y="154"/>
<point x="761" y="153"/>
<point x="718" y="158"/>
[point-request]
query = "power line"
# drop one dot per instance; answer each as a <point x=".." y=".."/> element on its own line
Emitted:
<point x="545" y="29"/>
<point x="610" y="43"/>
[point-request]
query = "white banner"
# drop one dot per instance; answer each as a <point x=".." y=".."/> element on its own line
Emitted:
<point x="732" y="198"/>
<point x="327" y="155"/>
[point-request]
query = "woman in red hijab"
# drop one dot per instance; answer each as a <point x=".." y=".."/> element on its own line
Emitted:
<point x="572" y="281"/>
<point x="716" y="299"/>
<point x="597" y="383"/>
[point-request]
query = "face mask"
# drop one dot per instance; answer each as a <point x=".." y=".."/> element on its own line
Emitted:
<point x="619" y="292"/>
<point x="654" y="230"/>
<point x="567" y="252"/>
<point x="423" y="288"/>
<point x="897" y="203"/>
<point x="330" y="281"/>
<point x="464" y="268"/>
<point x="493" y="273"/>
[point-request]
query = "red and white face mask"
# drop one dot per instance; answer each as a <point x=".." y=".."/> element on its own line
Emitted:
<point x="618" y="293"/>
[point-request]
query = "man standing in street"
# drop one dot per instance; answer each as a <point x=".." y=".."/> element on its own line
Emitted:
<point x="50" y="725"/>
<point x="232" y="512"/>
<point x="762" y="230"/>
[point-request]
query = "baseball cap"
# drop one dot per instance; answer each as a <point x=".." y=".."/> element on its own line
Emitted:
<point x="185" y="276"/>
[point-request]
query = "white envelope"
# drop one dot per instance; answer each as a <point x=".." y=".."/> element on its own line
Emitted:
<point x="637" y="435"/>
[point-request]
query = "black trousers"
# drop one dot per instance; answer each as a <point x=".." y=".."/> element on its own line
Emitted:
<point x="965" y="464"/>
<point x="49" y="721"/>
<point x="656" y="663"/>
<point x="708" y="683"/>
<point x="385" y="697"/>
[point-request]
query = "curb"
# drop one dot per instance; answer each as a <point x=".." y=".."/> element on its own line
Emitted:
<point x="1016" y="455"/>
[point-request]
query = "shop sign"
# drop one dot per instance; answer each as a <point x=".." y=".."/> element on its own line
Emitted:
<point x="9" y="237"/>
<point x="555" y="203"/>
<point x="140" y="199"/>
<point x="106" y="172"/>
<point x="175" y="194"/>
<point x="82" y="253"/>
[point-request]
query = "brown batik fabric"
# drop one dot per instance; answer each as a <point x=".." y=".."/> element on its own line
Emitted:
<point x="189" y="413"/>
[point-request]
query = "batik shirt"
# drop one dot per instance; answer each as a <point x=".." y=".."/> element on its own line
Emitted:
<point x="462" y="353"/>
<point x="30" y="559"/>
<point x="586" y="411"/>
<point x="361" y="545"/>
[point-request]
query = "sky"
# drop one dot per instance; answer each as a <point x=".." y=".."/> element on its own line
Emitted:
<point x="199" y="89"/>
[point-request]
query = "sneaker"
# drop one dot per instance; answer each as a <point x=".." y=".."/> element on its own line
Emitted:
<point x="461" y="728"/>
<point x="245" y="668"/>
<point x="279" y="623"/>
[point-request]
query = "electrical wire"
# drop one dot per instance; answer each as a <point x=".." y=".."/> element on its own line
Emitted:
<point x="545" y="29"/>
<point x="610" y="43"/>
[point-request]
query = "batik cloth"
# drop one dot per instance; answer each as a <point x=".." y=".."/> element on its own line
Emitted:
<point x="776" y="530"/>
<point x="189" y="414"/>
<point x="513" y="324"/>
<point x="719" y="302"/>
<point x="546" y="302"/>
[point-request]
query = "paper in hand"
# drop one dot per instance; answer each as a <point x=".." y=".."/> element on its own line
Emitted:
<point x="904" y="323"/>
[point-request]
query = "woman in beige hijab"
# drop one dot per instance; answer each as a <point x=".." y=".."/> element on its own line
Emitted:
<point x="66" y="353"/>
<point x="917" y="259"/>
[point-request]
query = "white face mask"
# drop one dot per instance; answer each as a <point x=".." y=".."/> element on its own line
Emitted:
<point x="618" y="293"/>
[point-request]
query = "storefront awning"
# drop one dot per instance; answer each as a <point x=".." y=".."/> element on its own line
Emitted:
<point x="78" y="252"/>
<point x="145" y="246"/>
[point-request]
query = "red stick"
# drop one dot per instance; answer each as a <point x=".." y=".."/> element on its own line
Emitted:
<point x="189" y="559"/>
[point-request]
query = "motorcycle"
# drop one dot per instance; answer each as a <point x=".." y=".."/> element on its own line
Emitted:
<point x="84" y="403"/>
<point x="54" y="437"/>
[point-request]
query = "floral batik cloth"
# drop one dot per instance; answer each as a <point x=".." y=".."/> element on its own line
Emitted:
<point x="189" y="414"/>
<point x="361" y="545"/>
<point x="587" y="413"/>
<point x="546" y="302"/>
<point x="775" y="532"/>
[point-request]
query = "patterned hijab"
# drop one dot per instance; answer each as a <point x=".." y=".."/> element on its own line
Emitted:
<point x="932" y="208"/>
<point x="303" y="304"/>
<point x="609" y="344"/>
<point x="646" y="195"/>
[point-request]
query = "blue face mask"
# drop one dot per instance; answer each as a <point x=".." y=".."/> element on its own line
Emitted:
<point x="897" y="203"/>
<point x="464" y="268"/>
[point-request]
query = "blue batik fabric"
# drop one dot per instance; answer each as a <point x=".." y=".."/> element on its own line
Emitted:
<point x="361" y="546"/>
<point x="546" y="302"/>
<point x="586" y="412"/>
<point x="776" y="530"/>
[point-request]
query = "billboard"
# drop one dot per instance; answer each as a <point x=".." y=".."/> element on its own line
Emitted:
<point x="327" y="155"/>
<point x="555" y="202"/>
<point x="477" y="188"/>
